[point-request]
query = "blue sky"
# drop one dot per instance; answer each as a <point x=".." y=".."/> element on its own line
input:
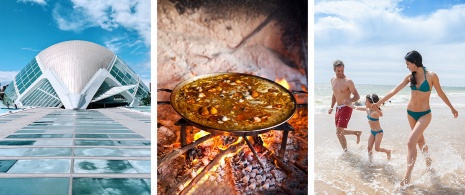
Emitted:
<point x="372" y="38"/>
<point x="29" y="26"/>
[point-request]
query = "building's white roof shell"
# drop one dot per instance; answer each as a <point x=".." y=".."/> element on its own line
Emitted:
<point x="74" y="71"/>
<point x="79" y="60"/>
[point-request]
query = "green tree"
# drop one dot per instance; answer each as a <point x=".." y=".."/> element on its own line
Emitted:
<point x="146" y="101"/>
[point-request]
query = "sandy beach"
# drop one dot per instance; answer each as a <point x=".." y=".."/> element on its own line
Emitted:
<point x="337" y="172"/>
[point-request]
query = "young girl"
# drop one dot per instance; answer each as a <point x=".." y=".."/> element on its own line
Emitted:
<point x="376" y="135"/>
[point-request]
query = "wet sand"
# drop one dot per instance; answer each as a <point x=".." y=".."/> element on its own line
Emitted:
<point x="338" y="172"/>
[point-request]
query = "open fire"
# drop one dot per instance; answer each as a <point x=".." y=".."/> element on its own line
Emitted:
<point x="224" y="162"/>
<point x="201" y="37"/>
<point x="283" y="83"/>
<point x="236" y="164"/>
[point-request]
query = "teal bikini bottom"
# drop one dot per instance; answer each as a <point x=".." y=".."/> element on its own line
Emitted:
<point x="418" y="115"/>
<point x="376" y="132"/>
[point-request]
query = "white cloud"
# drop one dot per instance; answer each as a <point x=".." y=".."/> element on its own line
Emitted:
<point x="70" y="20"/>
<point x="29" y="49"/>
<point x="41" y="2"/>
<point x="107" y="14"/>
<point x="362" y="21"/>
<point x="355" y="9"/>
<point x="7" y="76"/>
<point x="115" y="43"/>
<point x="373" y="37"/>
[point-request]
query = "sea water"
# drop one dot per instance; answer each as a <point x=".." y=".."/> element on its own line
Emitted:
<point x="323" y="95"/>
<point x="338" y="172"/>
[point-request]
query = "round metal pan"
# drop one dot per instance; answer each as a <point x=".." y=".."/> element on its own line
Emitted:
<point x="285" y="113"/>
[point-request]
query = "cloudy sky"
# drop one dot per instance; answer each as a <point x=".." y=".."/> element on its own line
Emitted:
<point x="372" y="38"/>
<point x="30" y="26"/>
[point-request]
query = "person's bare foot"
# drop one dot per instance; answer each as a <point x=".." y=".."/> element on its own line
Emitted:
<point x="428" y="161"/>
<point x="389" y="154"/>
<point x="358" y="134"/>
<point x="405" y="181"/>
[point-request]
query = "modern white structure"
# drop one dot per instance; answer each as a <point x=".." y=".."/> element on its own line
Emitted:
<point x="76" y="75"/>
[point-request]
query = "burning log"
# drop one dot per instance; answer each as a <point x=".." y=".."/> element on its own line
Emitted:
<point x="254" y="152"/>
<point x="302" y="141"/>
<point x="300" y="166"/>
<point x="182" y="150"/>
<point x="280" y="163"/>
<point x="232" y="148"/>
<point x="179" y="185"/>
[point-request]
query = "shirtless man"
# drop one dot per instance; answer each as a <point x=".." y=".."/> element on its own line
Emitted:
<point x="343" y="87"/>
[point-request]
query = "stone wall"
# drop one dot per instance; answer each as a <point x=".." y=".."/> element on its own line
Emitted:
<point x="264" y="38"/>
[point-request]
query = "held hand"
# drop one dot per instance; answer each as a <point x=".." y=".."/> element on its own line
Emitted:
<point x="455" y="113"/>
<point x="330" y="110"/>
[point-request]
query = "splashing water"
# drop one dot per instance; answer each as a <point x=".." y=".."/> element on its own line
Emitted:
<point x="338" y="172"/>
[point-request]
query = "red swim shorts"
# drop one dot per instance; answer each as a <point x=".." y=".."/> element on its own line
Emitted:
<point x="342" y="116"/>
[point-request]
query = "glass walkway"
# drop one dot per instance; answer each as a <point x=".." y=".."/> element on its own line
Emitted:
<point x="103" y="151"/>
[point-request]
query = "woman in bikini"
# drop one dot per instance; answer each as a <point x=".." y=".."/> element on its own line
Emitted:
<point x="418" y="108"/>
<point x="373" y="115"/>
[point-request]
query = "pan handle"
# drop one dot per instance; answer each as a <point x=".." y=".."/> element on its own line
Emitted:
<point x="165" y="90"/>
<point x="296" y="92"/>
<point x="301" y="105"/>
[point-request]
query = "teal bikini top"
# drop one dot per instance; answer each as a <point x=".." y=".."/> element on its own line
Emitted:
<point x="371" y="118"/>
<point x="424" y="87"/>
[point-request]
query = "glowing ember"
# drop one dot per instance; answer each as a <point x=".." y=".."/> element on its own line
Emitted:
<point x="193" y="174"/>
<point x="283" y="83"/>
<point x="200" y="134"/>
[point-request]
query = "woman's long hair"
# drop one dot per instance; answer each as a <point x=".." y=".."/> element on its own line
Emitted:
<point x="414" y="57"/>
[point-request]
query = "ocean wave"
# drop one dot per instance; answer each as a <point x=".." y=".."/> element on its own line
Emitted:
<point x="321" y="109"/>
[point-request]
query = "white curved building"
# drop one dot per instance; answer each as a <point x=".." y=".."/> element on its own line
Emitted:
<point x="76" y="75"/>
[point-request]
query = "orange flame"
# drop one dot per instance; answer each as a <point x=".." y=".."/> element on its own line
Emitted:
<point x="213" y="169"/>
<point x="264" y="143"/>
<point x="200" y="134"/>
<point x="283" y="83"/>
